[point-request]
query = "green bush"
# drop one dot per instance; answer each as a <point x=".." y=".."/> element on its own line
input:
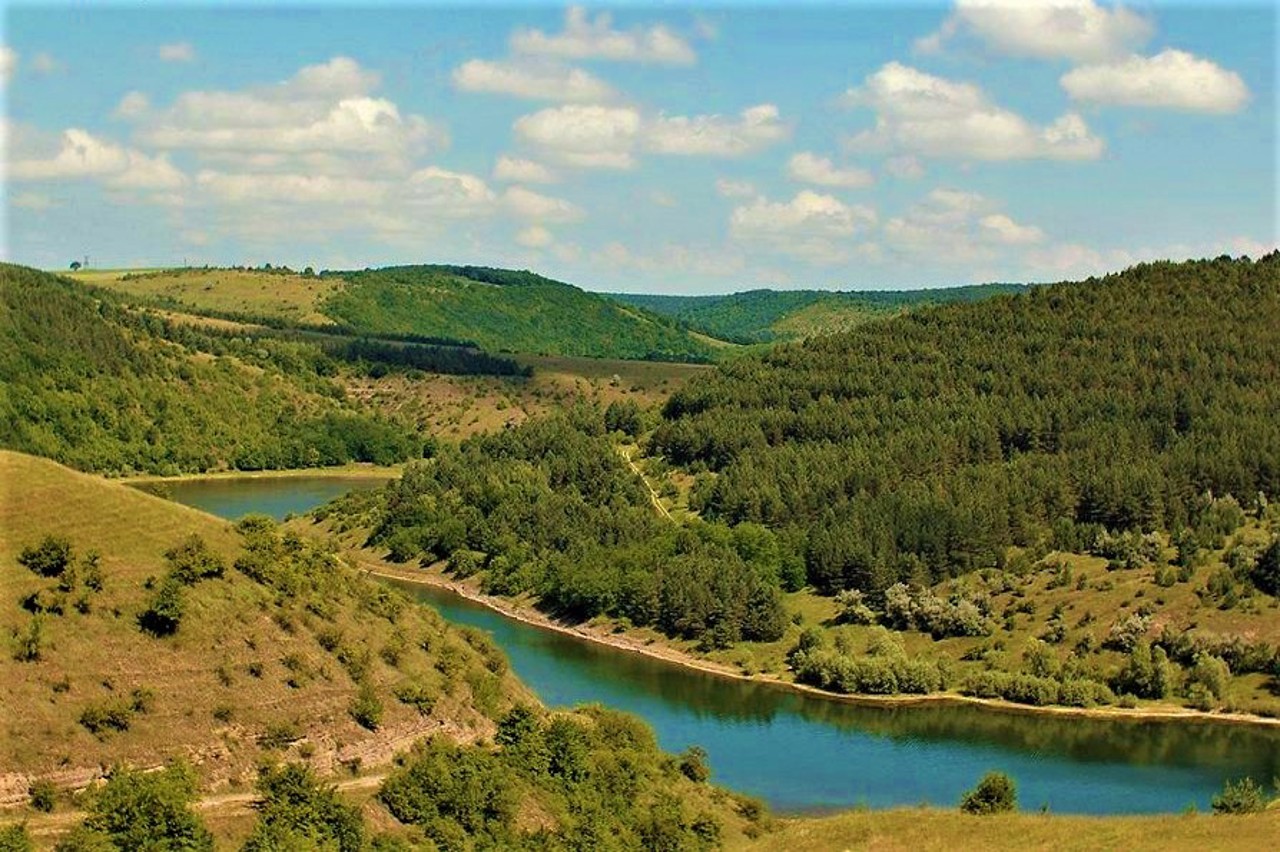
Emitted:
<point x="366" y="708"/>
<point x="14" y="838"/>
<point x="49" y="558"/>
<point x="44" y="795"/>
<point x="1245" y="796"/>
<point x="163" y="615"/>
<point x="296" y="811"/>
<point x="994" y="794"/>
<point x="145" y="810"/>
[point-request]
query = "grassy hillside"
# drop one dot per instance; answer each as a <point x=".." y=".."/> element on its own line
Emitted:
<point x="502" y="310"/>
<point x="762" y="316"/>
<point x="97" y="386"/>
<point x="272" y="658"/>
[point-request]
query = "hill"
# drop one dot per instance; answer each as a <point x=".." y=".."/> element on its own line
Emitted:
<point x="764" y="316"/>
<point x="272" y="652"/>
<point x="1058" y="497"/>
<point x="508" y="311"/>
<point x="496" y="309"/>
<point x="96" y="385"/>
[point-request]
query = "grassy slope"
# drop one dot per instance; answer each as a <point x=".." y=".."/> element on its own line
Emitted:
<point x="230" y="624"/>
<point x="758" y="316"/>
<point x="920" y="830"/>
<point x="505" y="311"/>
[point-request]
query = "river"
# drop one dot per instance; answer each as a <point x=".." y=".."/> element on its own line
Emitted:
<point x="803" y="753"/>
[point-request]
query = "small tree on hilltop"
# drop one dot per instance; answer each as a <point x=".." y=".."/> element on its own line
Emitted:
<point x="994" y="794"/>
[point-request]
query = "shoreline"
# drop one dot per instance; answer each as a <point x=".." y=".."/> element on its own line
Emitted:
<point x="353" y="470"/>
<point x="623" y="642"/>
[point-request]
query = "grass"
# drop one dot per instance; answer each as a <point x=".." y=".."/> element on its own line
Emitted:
<point x="923" y="829"/>
<point x="288" y="296"/>
<point x="240" y="646"/>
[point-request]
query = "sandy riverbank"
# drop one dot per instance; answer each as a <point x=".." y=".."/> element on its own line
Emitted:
<point x="623" y="642"/>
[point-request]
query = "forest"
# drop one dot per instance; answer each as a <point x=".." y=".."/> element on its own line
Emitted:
<point x="923" y="447"/>
<point x="90" y="383"/>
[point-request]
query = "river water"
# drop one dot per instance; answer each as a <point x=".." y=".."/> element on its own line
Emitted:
<point x="804" y="753"/>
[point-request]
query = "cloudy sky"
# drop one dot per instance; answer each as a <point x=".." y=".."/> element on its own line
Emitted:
<point x="650" y="147"/>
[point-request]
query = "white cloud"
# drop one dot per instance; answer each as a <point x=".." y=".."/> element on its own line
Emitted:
<point x="535" y="237"/>
<point x="8" y="63"/>
<point x="81" y="155"/>
<point x="1078" y="30"/>
<point x="756" y="127"/>
<point x="810" y="168"/>
<point x="45" y="63"/>
<point x="527" y="204"/>
<point x="585" y="38"/>
<point x="143" y="172"/>
<point x="453" y="194"/>
<point x="325" y="108"/>
<point x="584" y="136"/>
<point x="735" y="188"/>
<point x="296" y="189"/>
<point x="132" y="105"/>
<point x="517" y="170"/>
<point x="180" y="51"/>
<point x="1172" y="79"/>
<point x="535" y="81"/>
<point x="1004" y="230"/>
<point x="930" y="116"/>
<point x="812" y="226"/>
<point x="905" y="167"/>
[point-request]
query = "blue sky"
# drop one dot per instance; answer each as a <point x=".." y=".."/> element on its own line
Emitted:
<point x="646" y="147"/>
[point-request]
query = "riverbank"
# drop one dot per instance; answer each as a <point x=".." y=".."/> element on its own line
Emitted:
<point x="353" y="470"/>
<point x="657" y="649"/>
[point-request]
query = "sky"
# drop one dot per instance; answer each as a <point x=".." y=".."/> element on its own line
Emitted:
<point x="650" y="147"/>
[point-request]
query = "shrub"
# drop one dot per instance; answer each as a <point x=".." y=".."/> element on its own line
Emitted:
<point x="366" y="708"/>
<point x="1241" y="797"/>
<point x="693" y="764"/>
<point x="1266" y="570"/>
<point x="27" y="643"/>
<point x="49" y="558"/>
<point x="994" y="794"/>
<point x="163" y="616"/>
<point x="102" y="719"/>
<point x="191" y="561"/>
<point x="416" y="696"/>
<point x="14" y="838"/>
<point x="296" y="811"/>
<point x="147" y="810"/>
<point x="44" y="795"/>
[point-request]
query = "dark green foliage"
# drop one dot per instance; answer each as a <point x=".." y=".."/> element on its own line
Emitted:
<point x="753" y="316"/>
<point x="91" y="384"/>
<point x="107" y="717"/>
<point x="1146" y="673"/>
<point x="624" y="416"/>
<point x="14" y="838"/>
<point x="49" y="558"/>
<point x="366" y="708"/>
<point x="994" y="794"/>
<point x="453" y="791"/>
<point x="558" y="514"/>
<point x="505" y="311"/>
<point x="163" y="615"/>
<point x="143" y="811"/>
<point x="1266" y="571"/>
<point x="297" y="811"/>
<point x="924" y="446"/>
<point x="191" y="561"/>
<point x="43" y="795"/>
<point x="1245" y="796"/>
<point x="693" y="764"/>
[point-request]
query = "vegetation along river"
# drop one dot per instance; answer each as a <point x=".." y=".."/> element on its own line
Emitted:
<point x="807" y="753"/>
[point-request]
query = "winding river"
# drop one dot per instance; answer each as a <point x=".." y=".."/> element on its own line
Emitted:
<point x="804" y="753"/>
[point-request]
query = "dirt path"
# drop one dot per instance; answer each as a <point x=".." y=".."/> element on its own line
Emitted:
<point x="653" y="495"/>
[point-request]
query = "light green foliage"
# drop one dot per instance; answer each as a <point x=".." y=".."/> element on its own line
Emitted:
<point x="995" y="793"/>
<point x="143" y="811"/>
<point x="297" y="811"/>
<point x="1245" y="796"/>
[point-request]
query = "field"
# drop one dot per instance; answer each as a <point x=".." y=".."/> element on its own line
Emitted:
<point x="258" y="293"/>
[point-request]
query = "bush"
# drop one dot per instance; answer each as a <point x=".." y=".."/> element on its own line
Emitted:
<point x="44" y="796"/>
<point x="14" y="838"/>
<point x="102" y="719"/>
<point x="1241" y="797"/>
<point x="191" y="561"/>
<point x="994" y="794"/>
<point x="146" y="810"/>
<point x="1266" y="571"/>
<point x="296" y="811"/>
<point x="27" y="643"/>
<point x="49" y="558"/>
<point x="693" y="764"/>
<point x="366" y="709"/>
<point x="163" y="616"/>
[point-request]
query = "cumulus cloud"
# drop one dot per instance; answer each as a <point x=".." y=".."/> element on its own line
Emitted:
<point x="527" y="204"/>
<point x="587" y="38"/>
<point x="326" y="108"/>
<point x="516" y="170"/>
<point x="595" y="136"/>
<point x="534" y="81"/>
<point x="1172" y="79"/>
<point x="806" y="167"/>
<point x="964" y="227"/>
<point x="735" y="188"/>
<point x="132" y="105"/>
<point x="1078" y="30"/>
<point x="535" y="237"/>
<point x="82" y="155"/>
<point x="178" y="51"/>
<point x="1002" y="229"/>
<point x="755" y="128"/>
<point x="812" y="226"/>
<point x="934" y="117"/>
<point x="292" y="188"/>
<point x="584" y="136"/>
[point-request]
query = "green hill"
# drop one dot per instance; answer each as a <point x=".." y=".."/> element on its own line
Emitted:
<point x="93" y="384"/>
<point x="504" y="310"/>
<point x="762" y="316"/>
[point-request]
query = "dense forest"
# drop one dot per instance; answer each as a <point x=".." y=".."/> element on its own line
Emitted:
<point x="90" y="383"/>
<point x="550" y="508"/>
<point x="504" y="311"/>
<point x="764" y="316"/>
<point x="922" y="447"/>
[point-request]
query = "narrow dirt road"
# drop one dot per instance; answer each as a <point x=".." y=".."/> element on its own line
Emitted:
<point x="653" y="495"/>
